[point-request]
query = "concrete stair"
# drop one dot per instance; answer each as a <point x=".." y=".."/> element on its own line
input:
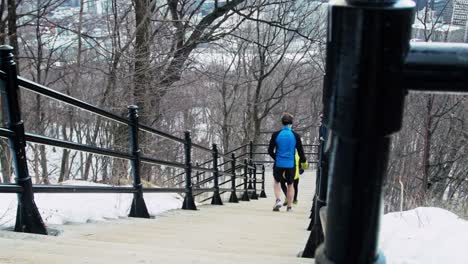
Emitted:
<point x="248" y="232"/>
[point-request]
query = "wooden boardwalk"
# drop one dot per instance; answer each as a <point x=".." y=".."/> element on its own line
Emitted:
<point x="248" y="232"/>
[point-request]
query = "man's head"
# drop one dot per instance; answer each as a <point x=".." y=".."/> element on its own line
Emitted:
<point x="287" y="119"/>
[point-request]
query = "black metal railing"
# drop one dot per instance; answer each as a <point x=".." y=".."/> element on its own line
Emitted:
<point x="28" y="218"/>
<point x="370" y="67"/>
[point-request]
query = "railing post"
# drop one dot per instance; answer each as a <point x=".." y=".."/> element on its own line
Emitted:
<point x="363" y="102"/>
<point x="189" y="202"/>
<point x="316" y="236"/>
<point x="245" y="196"/>
<point x="263" y="194"/>
<point x="233" y="197"/>
<point x="197" y="174"/>
<point x="138" y="208"/>
<point x="28" y="218"/>
<point x="216" y="196"/>
<point x="250" y="158"/>
<point x="253" y="172"/>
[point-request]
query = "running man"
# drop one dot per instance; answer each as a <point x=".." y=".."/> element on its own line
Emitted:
<point x="283" y="145"/>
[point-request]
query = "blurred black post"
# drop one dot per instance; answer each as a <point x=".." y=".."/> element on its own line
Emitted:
<point x="364" y="98"/>
<point x="316" y="236"/>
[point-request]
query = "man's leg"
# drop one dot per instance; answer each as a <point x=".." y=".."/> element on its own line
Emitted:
<point x="284" y="187"/>
<point x="277" y="174"/>
<point x="296" y="189"/>
<point x="290" y="173"/>
<point x="290" y="194"/>
<point x="277" y="189"/>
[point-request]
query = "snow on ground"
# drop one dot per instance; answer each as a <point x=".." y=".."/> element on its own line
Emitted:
<point x="63" y="208"/>
<point x="424" y="235"/>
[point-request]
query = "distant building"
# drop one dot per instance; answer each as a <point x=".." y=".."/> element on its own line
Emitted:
<point x="71" y="3"/>
<point x="438" y="32"/>
<point x="460" y="13"/>
<point x="208" y="6"/>
<point x="90" y="6"/>
<point x="443" y="9"/>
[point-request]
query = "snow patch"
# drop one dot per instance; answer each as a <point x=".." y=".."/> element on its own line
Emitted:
<point x="424" y="235"/>
<point x="63" y="208"/>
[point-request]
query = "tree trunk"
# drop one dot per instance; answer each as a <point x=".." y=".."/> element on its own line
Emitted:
<point x="146" y="100"/>
<point x="5" y="153"/>
<point x="45" y="172"/>
<point x="64" y="165"/>
<point x="12" y="34"/>
<point x="36" y="165"/>
<point x="427" y="145"/>
<point x="5" y="161"/>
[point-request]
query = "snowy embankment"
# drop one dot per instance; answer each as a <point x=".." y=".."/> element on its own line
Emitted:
<point x="64" y="208"/>
<point x="424" y="235"/>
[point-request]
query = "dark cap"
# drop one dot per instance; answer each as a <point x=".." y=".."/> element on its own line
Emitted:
<point x="287" y="119"/>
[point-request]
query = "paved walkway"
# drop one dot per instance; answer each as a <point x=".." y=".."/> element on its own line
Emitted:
<point x="248" y="232"/>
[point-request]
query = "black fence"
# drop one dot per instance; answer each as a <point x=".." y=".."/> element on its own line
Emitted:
<point x="370" y="67"/>
<point x="28" y="218"/>
<point x="259" y="153"/>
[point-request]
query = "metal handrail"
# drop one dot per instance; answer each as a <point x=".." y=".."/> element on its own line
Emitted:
<point x="6" y="132"/>
<point x="76" y="146"/>
<point x="10" y="188"/>
<point x="162" y="162"/>
<point x="32" y="222"/>
<point x="236" y="149"/>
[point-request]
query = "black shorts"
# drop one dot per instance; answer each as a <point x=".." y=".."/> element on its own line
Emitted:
<point x="289" y="174"/>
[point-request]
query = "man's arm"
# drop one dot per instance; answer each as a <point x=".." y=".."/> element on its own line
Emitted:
<point x="300" y="149"/>
<point x="271" y="147"/>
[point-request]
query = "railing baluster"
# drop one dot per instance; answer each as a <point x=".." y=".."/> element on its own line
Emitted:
<point x="189" y="202"/>
<point x="253" y="172"/>
<point x="216" y="196"/>
<point x="197" y="174"/>
<point x="28" y="218"/>
<point x="245" y="196"/>
<point x="233" y="197"/>
<point x="317" y="235"/>
<point x="263" y="194"/>
<point x="251" y="151"/>
<point x="138" y="208"/>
